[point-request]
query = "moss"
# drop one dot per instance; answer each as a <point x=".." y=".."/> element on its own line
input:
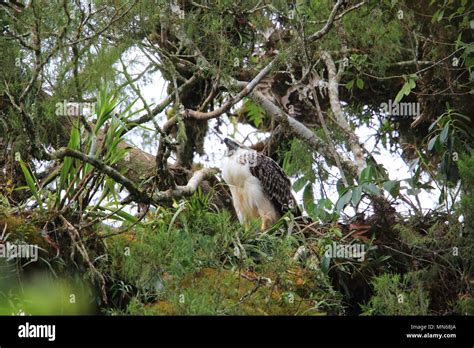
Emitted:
<point x="22" y="230"/>
<point x="213" y="291"/>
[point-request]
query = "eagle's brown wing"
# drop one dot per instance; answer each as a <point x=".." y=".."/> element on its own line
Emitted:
<point x="275" y="183"/>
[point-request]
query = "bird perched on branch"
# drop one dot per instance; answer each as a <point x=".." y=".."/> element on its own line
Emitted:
<point x="258" y="185"/>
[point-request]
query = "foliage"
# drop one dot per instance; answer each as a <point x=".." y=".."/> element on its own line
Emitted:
<point x="170" y="268"/>
<point x="187" y="254"/>
<point x="44" y="295"/>
<point x="466" y="169"/>
<point x="395" y="295"/>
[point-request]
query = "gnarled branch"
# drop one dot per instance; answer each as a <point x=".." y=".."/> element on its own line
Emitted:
<point x="104" y="168"/>
<point x="186" y="190"/>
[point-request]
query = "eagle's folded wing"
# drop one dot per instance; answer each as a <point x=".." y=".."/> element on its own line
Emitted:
<point x="275" y="183"/>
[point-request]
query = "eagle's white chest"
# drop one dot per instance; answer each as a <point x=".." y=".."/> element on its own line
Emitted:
<point x="249" y="198"/>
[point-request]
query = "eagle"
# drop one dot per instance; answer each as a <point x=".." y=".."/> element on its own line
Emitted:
<point x="259" y="187"/>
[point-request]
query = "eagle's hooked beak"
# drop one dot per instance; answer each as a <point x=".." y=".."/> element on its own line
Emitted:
<point x="232" y="145"/>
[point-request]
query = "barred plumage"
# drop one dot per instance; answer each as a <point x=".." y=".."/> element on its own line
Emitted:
<point x="258" y="185"/>
<point x="275" y="183"/>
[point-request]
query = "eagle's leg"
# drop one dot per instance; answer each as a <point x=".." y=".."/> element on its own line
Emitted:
<point x="266" y="223"/>
<point x="268" y="216"/>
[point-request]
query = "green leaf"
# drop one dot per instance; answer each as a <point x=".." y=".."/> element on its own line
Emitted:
<point x="120" y="215"/>
<point x="435" y="16"/>
<point x="308" y="198"/>
<point x="326" y="203"/>
<point x="445" y="164"/>
<point x="440" y="15"/>
<point x="299" y="184"/>
<point x="434" y="124"/>
<point x="356" y="195"/>
<point x="393" y="187"/>
<point x="399" y="96"/>
<point x="405" y="90"/>
<point x="67" y="165"/>
<point x="360" y="83"/>
<point x="350" y="85"/>
<point x="30" y="181"/>
<point x="441" y="197"/>
<point x="324" y="265"/>
<point x="366" y="174"/>
<point x="255" y="112"/>
<point x="444" y="133"/>
<point x="343" y="200"/>
<point x="340" y="187"/>
<point x="372" y="189"/>
<point x="432" y="142"/>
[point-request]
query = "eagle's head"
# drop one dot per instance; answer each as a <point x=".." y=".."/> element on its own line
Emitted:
<point x="233" y="146"/>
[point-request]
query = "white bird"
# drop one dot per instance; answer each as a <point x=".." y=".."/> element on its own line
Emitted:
<point x="259" y="187"/>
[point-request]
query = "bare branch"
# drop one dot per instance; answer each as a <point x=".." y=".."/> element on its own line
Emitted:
<point x="187" y="190"/>
<point x="302" y="132"/>
<point x="350" y="9"/>
<point x="334" y="153"/>
<point x="136" y="194"/>
<point x="232" y="101"/>
<point x="319" y="34"/>
<point x="333" y="88"/>
<point x="160" y="107"/>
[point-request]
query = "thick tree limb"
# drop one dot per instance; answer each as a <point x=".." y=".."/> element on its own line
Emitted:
<point x="104" y="168"/>
<point x="186" y="190"/>
<point x="302" y="132"/>
<point x="251" y="85"/>
<point x="136" y="194"/>
<point x="333" y="89"/>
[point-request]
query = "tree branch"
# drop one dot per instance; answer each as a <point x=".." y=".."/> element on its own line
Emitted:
<point x="302" y="132"/>
<point x="333" y="89"/>
<point x="319" y="34"/>
<point x="137" y="194"/>
<point x="186" y="190"/>
<point x="350" y="9"/>
<point x="160" y="107"/>
<point x="232" y="101"/>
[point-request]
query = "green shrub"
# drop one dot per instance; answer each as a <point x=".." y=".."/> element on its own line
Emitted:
<point x="397" y="295"/>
